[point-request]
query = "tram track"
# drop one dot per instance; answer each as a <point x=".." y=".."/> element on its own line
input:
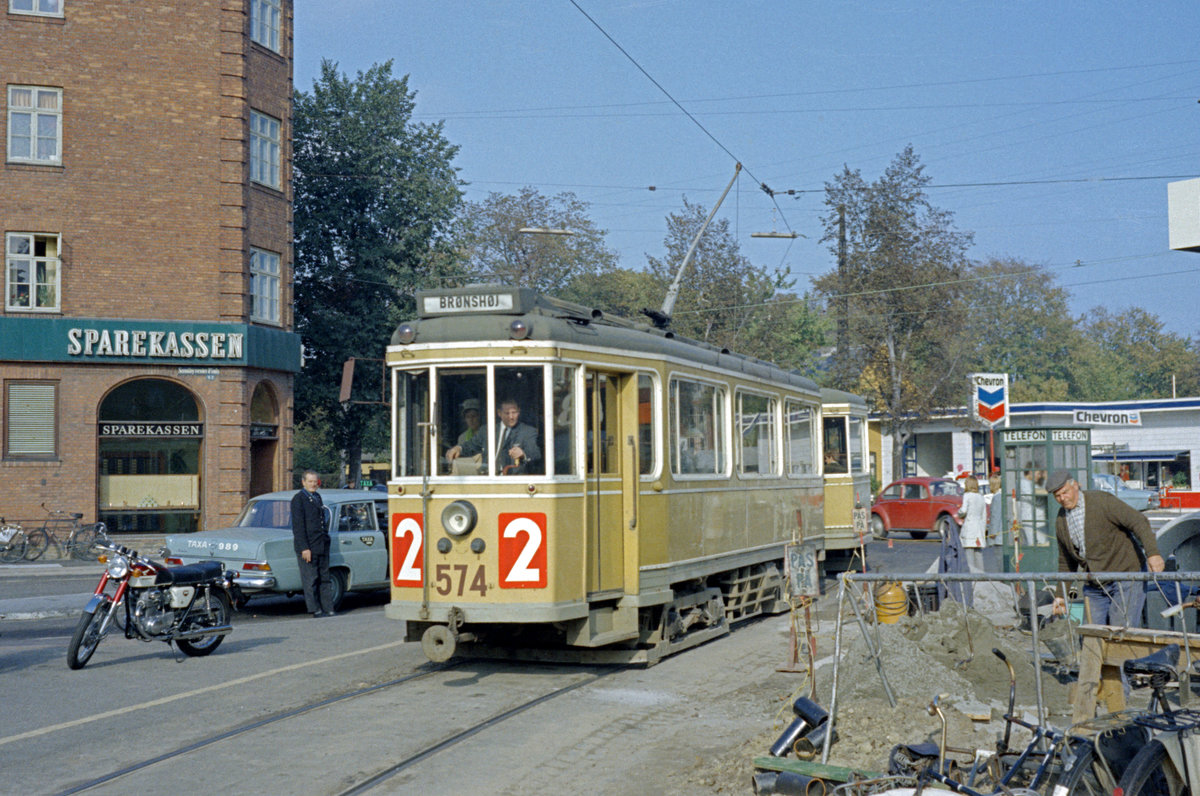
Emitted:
<point x="367" y="781"/>
<point x="259" y="724"/>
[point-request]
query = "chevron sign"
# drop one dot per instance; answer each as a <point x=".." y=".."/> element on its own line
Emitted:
<point x="989" y="397"/>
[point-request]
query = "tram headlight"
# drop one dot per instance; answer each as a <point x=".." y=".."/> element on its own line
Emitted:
<point x="459" y="518"/>
<point x="519" y="330"/>
<point x="406" y="333"/>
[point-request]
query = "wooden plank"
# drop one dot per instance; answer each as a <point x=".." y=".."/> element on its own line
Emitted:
<point x="811" y="768"/>
<point x="1105" y="649"/>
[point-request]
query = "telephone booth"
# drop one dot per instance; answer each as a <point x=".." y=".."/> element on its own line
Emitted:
<point x="1027" y="511"/>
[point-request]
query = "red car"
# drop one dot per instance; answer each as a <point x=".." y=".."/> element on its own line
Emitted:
<point x="916" y="505"/>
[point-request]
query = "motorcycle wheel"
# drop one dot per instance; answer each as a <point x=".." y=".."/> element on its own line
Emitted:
<point x="86" y="636"/>
<point x="221" y="611"/>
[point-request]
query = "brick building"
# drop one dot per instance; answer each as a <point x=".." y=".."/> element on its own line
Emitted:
<point x="146" y="347"/>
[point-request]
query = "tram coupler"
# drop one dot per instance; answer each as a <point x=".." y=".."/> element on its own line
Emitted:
<point x="440" y="642"/>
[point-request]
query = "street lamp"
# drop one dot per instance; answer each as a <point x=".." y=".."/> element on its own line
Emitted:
<point x="544" y="231"/>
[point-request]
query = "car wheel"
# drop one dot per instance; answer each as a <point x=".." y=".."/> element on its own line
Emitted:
<point x="337" y="585"/>
<point x="878" y="529"/>
<point x="945" y="526"/>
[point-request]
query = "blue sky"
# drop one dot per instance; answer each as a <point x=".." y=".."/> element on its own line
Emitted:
<point x="1050" y="130"/>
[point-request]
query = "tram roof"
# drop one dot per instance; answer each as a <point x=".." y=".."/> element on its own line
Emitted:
<point x="832" y="396"/>
<point x="486" y="312"/>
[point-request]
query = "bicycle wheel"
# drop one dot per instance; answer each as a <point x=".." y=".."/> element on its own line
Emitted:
<point x="1084" y="774"/>
<point x="13" y="550"/>
<point x="79" y="546"/>
<point x="1152" y="774"/>
<point x="36" y="543"/>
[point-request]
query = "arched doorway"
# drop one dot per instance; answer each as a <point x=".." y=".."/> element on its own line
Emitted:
<point x="264" y="438"/>
<point x="150" y="438"/>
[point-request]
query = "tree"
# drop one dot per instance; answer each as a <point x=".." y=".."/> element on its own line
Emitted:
<point x="899" y="285"/>
<point x="375" y="197"/>
<point x="1011" y="316"/>
<point x="722" y="291"/>
<point x="1140" y="358"/>
<point x="620" y="292"/>
<point x="496" y="249"/>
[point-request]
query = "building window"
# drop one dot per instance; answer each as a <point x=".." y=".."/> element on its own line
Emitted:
<point x="264" y="149"/>
<point x="32" y="268"/>
<point x="31" y="415"/>
<point x="264" y="23"/>
<point x="264" y="286"/>
<point x="41" y="8"/>
<point x="34" y="122"/>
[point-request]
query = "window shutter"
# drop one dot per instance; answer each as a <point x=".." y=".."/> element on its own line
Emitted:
<point x="31" y="419"/>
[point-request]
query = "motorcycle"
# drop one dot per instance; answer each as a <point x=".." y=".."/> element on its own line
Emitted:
<point x="189" y="606"/>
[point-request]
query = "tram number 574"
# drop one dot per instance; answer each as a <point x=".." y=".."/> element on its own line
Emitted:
<point x="521" y="556"/>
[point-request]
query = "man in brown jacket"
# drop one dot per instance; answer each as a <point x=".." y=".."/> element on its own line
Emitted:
<point x="1096" y="533"/>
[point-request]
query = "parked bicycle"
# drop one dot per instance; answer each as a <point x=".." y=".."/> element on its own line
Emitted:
<point x="1052" y="762"/>
<point x="12" y="542"/>
<point x="80" y="540"/>
<point x="1166" y="763"/>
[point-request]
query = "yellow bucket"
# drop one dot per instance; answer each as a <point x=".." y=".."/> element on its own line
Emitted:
<point x="891" y="603"/>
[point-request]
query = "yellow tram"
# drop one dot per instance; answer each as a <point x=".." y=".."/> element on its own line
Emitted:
<point x="639" y="501"/>
<point x="846" y="467"/>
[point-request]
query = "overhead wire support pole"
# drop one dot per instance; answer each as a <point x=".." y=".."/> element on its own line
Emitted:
<point x="673" y="292"/>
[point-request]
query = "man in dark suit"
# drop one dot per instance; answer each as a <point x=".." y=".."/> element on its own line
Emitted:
<point x="310" y="537"/>
<point x="517" y="443"/>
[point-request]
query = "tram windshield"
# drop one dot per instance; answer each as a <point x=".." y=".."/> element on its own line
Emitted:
<point x="488" y="420"/>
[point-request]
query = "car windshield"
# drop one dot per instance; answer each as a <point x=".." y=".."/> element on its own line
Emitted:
<point x="266" y="514"/>
<point x="942" y="488"/>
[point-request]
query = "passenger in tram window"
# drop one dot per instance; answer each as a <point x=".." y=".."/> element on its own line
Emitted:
<point x="471" y="418"/>
<point x="517" y="449"/>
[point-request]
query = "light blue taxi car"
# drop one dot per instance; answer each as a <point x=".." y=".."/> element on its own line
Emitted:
<point x="259" y="545"/>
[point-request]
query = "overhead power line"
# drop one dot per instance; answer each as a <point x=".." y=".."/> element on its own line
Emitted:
<point x="685" y="111"/>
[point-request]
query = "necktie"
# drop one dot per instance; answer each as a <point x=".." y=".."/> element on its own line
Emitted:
<point x="502" y="450"/>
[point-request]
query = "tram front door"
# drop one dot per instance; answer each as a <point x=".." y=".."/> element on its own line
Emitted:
<point x="611" y="477"/>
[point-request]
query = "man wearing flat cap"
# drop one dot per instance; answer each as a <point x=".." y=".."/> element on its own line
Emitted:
<point x="1097" y="532"/>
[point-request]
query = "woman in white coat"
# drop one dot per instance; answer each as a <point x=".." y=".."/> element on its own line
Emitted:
<point x="974" y="512"/>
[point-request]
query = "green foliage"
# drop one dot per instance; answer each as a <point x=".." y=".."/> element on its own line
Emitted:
<point x="722" y="291"/>
<point x="1132" y="357"/>
<point x="898" y="292"/>
<point x="496" y="249"/>
<point x="314" y="447"/>
<point x="620" y="292"/>
<point x="375" y="198"/>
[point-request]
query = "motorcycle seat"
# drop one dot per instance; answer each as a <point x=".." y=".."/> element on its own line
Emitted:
<point x="189" y="574"/>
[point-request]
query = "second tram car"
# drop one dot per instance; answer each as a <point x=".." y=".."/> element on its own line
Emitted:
<point x="565" y="482"/>
<point x="846" y="467"/>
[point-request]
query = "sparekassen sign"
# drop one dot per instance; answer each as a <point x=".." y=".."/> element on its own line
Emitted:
<point x="152" y="429"/>
<point x="153" y="344"/>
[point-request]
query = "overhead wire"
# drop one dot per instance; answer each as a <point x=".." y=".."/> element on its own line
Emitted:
<point x="685" y="111"/>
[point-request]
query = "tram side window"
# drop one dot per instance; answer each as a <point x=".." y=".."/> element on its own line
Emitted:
<point x="697" y="423"/>
<point x="835" y="445"/>
<point x="756" y="434"/>
<point x="462" y="415"/>
<point x="799" y="439"/>
<point x="412" y="408"/>
<point x="563" y="412"/>
<point x="520" y="389"/>
<point x="646" y="419"/>
<point x="856" y="444"/>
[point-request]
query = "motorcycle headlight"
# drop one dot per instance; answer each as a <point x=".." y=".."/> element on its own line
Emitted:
<point x="459" y="518"/>
<point x="118" y="567"/>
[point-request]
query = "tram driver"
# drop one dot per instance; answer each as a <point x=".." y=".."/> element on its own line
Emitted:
<point x="516" y="447"/>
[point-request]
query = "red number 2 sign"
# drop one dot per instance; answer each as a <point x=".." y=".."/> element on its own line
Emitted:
<point x="408" y="558"/>
<point x="522" y="551"/>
